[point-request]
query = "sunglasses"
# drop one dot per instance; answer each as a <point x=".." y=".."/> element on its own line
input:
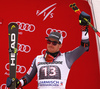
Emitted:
<point x="53" y="42"/>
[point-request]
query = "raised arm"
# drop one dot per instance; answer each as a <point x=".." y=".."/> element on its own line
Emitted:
<point x="73" y="55"/>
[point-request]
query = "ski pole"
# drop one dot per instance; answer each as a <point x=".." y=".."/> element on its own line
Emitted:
<point x="77" y="10"/>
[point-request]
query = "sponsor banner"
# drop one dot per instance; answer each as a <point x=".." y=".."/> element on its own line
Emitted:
<point x="36" y="20"/>
<point x="50" y="83"/>
<point x="45" y="63"/>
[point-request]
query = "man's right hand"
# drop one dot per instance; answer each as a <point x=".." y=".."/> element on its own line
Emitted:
<point x="10" y="81"/>
<point x="82" y="21"/>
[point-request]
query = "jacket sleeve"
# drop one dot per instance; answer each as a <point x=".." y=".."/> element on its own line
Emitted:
<point x="73" y="55"/>
<point x="76" y="53"/>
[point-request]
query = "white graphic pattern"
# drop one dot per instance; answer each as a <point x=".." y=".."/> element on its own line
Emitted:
<point x="49" y="30"/>
<point x="26" y="26"/>
<point x="19" y="69"/>
<point x="24" y="48"/>
<point x="44" y="11"/>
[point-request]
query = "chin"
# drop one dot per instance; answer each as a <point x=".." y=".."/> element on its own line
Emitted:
<point x="51" y="51"/>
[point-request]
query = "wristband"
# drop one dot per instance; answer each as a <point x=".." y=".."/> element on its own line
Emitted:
<point x="85" y="44"/>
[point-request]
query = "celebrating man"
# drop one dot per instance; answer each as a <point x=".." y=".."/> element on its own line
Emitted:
<point x="53" y="67"/>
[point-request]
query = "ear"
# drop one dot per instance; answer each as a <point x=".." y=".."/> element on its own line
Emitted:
<point x="60" y="46"/>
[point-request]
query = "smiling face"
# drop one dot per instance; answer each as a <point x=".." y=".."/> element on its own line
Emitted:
<point x="53" y="48"/>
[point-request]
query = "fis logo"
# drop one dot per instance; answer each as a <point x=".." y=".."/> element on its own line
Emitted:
<point x="44" y="12"/>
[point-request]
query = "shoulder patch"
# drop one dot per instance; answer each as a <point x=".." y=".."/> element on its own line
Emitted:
<point x="40" y="56"/>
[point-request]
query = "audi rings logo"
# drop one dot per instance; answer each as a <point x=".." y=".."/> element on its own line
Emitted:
<point x="19" y="69"/>
<point x="24" y="48"/>
<point x="43" y="51"/>
<point x="49" y="30"/>
<point x="26" y="26"/>
<point x="3" y="86"/>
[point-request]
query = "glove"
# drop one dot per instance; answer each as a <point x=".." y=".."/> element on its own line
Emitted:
<point x="10" y="81"/>
<point x="82" y="21"/>
<point x="18" y="84"/>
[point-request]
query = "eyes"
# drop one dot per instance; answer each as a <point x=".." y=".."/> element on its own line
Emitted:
<point x="53" y="42"/>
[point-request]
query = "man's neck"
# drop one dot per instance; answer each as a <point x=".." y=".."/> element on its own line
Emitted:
<point x="53" y="54"/>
